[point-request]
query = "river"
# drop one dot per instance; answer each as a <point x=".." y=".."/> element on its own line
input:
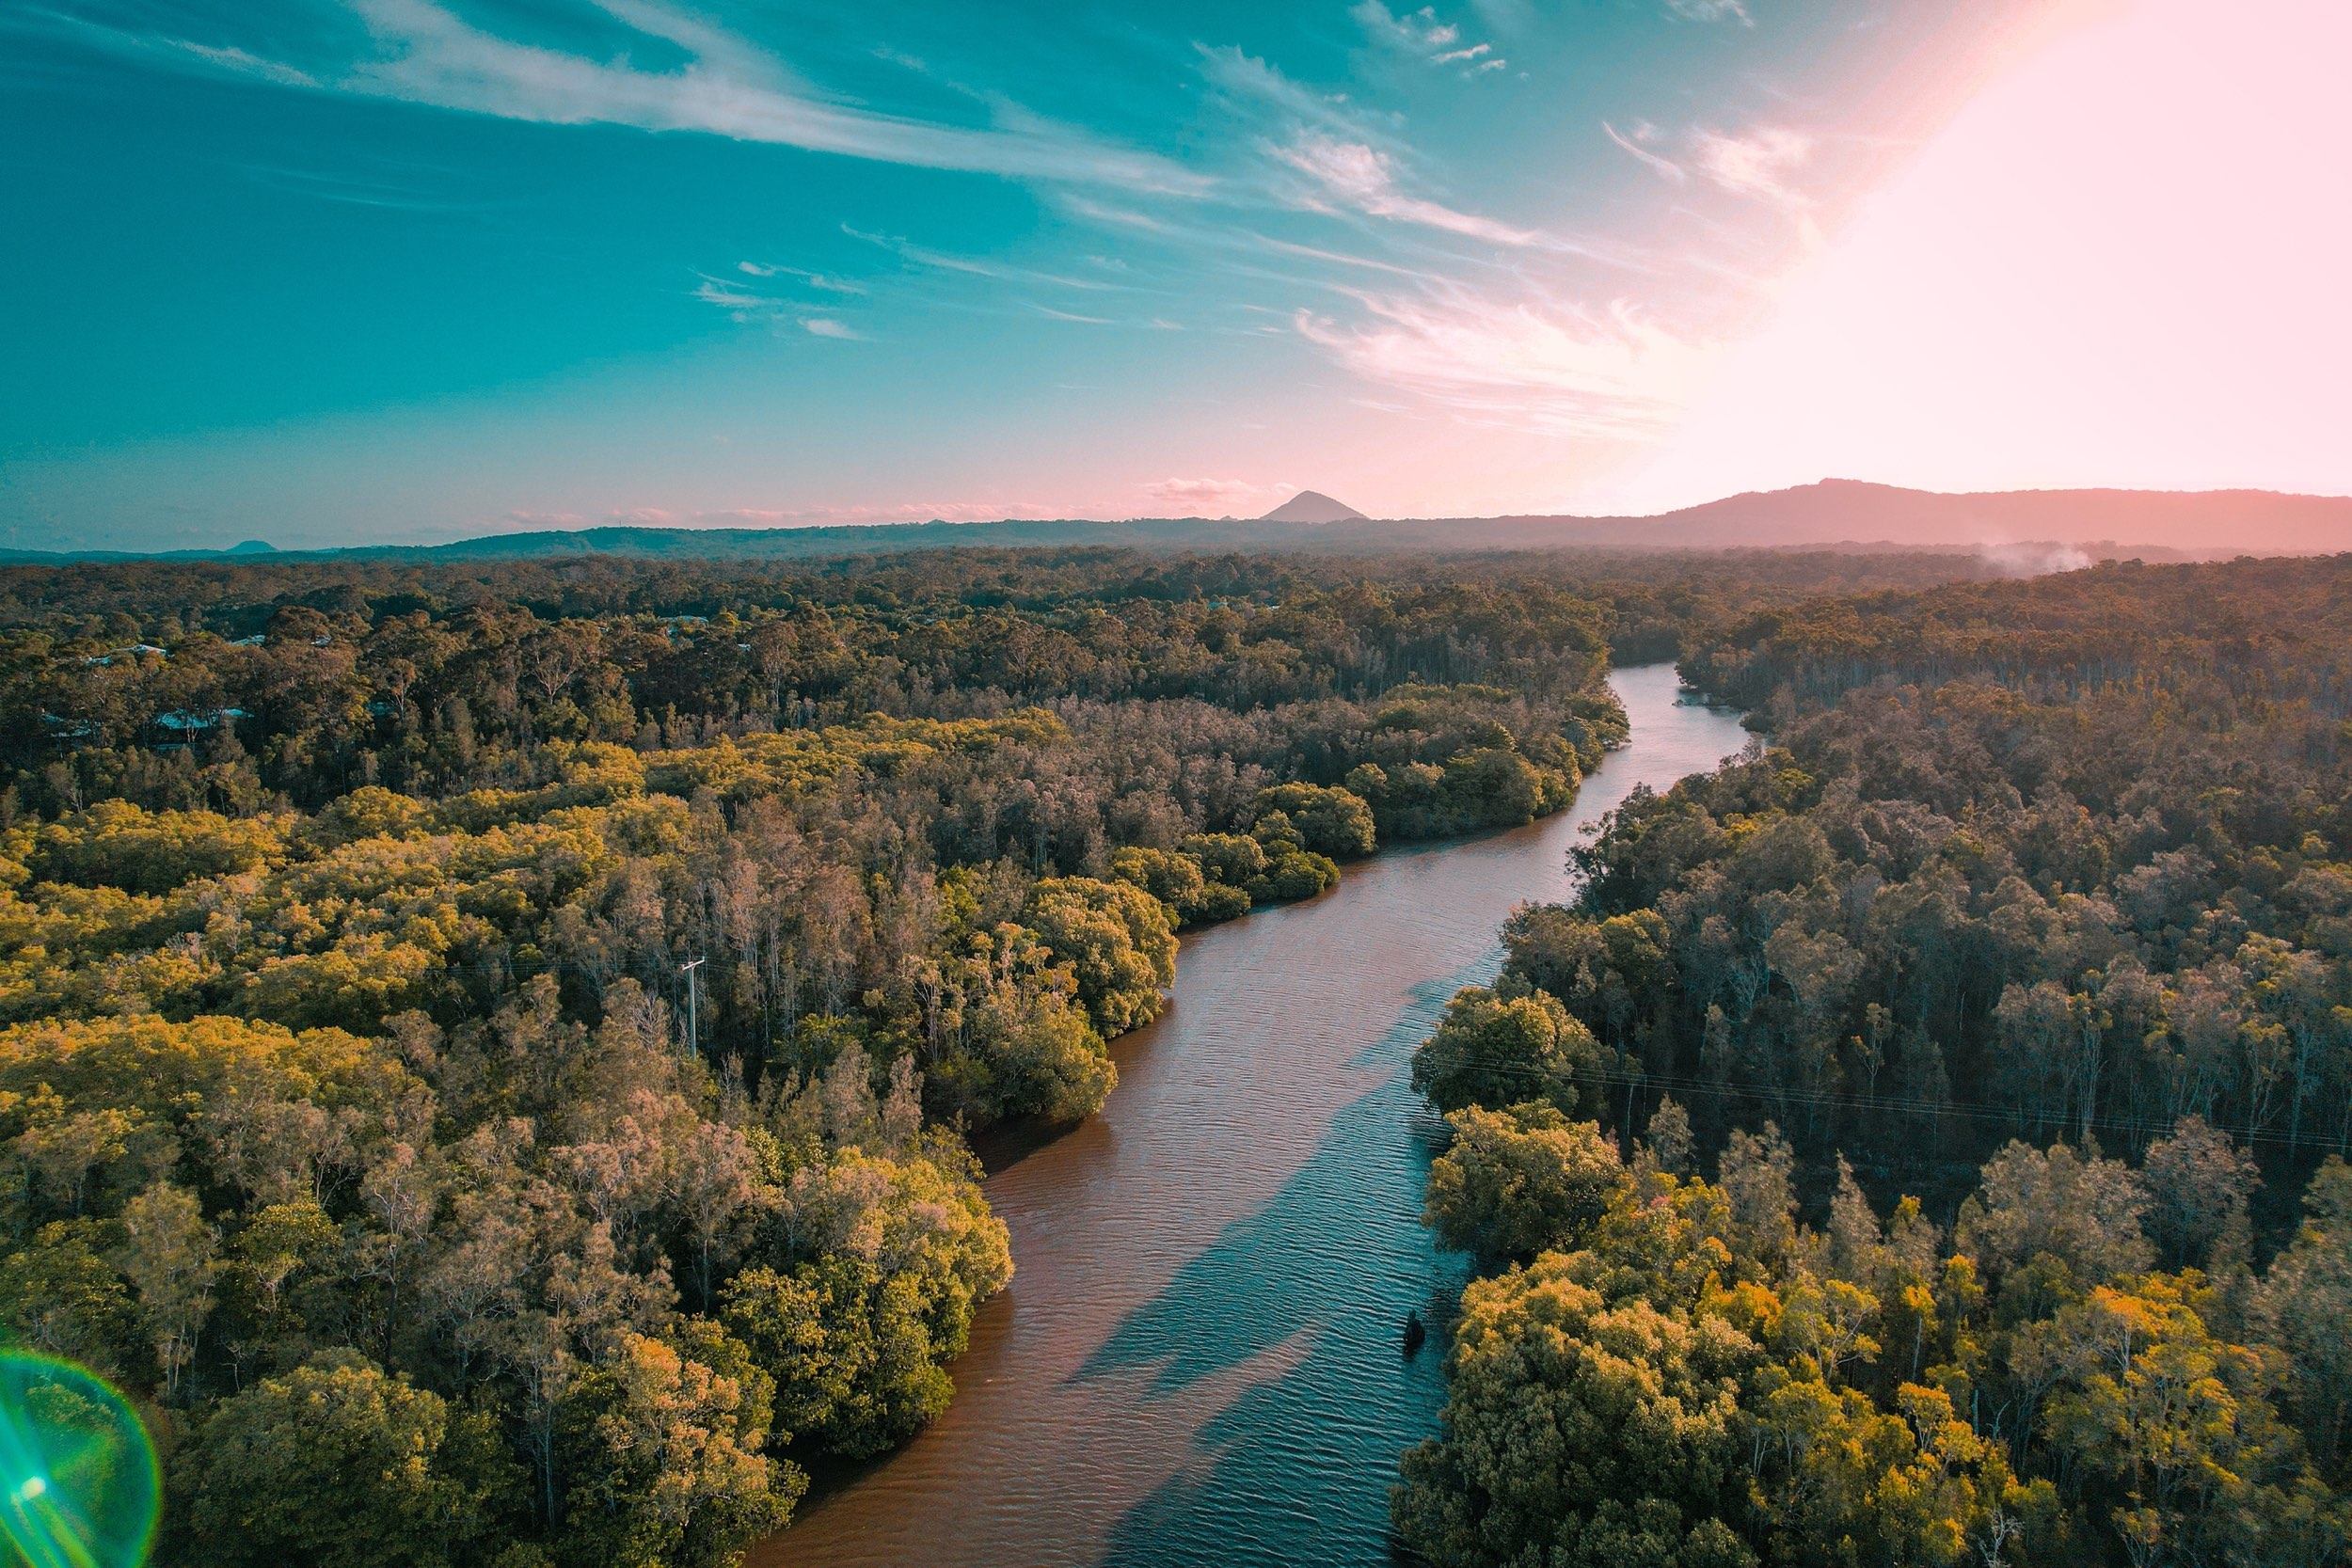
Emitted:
<point x="1199" y="1360"/>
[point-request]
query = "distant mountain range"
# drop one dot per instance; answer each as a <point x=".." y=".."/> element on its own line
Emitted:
<point x="1838" y="511"/>
<point x="2045" y="528"/>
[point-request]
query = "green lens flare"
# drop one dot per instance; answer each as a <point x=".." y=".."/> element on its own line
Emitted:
<point x="78" y="1484"/>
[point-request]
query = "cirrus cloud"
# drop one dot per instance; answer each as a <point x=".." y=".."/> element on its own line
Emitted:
<point x="1364" y="178"/>
<point x="1756" y="162"/>
<point x="1611" y="375"/>
<point x="427" y="54"/>
<point x="1713" y="11"/>
<point x="1421" y="33"/>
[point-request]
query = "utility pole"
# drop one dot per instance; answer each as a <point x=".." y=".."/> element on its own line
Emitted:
<point x="693" y="1033"/>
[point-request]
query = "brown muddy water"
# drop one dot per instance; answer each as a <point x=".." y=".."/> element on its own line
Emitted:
<point x="1200" y="1358"/>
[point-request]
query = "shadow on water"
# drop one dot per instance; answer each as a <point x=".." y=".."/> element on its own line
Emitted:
<point x="1202" y="1359"/>
<point x="1295" y="1468"/>
<point x="1006" y="1144"/>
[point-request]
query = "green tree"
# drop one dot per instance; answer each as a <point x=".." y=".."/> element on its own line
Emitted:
<point x="1117" y="938"/>
<point x="2079" y="1216"/>
<point x="1330" y="821"/>
<point x="662" y="1468"/>
<point x="338" y="1466"/>
<point x="1669" y="1137"/>
<point x="2198" y="1184"/>
<point x="2304" y="1303"/>
<point x="1496" y="787"/>
<point x="1044" y="1056"/>
<point x="1519" y="1181"/>
<point x="857" y="1335"/>
<point x="1495" y="1050"/>
<point x="59" y="1295"/>
<point x="855" y="1366"/>
<point x="2173" y="1417"/>
<point x="1170" y="876"/>
<point x="1229" y="859"/>
<point x="1574" y="1431"/>
<point x="1756" y="1175"/>
<point x="169" y="1255"/>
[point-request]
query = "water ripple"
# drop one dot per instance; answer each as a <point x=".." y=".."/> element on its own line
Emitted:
<point x="1200" y="1358"/>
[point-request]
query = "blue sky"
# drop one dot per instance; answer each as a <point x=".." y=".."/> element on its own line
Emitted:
<point x="400" y="269"/>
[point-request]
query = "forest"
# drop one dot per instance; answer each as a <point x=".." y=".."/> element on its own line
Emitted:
<point x="489" y="1057"/>
<point x="1923" y="1140"/>
<point x="491" y="1053"/>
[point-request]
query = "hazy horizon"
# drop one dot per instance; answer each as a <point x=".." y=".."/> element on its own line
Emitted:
<point x="2022" y="533"/>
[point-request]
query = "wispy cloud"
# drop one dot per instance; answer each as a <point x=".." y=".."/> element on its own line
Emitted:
<point x="1512" y="17"/>
<point x="1364" y="178"/>
<point x="1421" y="34"/>
<point x="428" y="55"/>
<point x="243" y="62"/>
<point x="814" y="279"/>
<point x="1124" y="217"/>
<point x="1672" y="171"/>
<point x="1757" y="164"/>
<point x="1210" y="497"/>
<point x="1353" y="160"/>
<point x="393" y="190"/>
<point x="747" y="305"/>
<point x="943" y="260"/>
<point x="1417" y="32"/>
<point x="1339" y="257"/>
<point x="1713" y="11"/>
<point x="1248" y="79"/>
<point x="727" y="296"/>
<point x="1531" y="364"/>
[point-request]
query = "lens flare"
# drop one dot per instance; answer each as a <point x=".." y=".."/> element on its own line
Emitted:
<point x="78" y="1481"/>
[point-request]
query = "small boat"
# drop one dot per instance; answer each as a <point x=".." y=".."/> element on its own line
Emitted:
<point x="1415" y="1332"/>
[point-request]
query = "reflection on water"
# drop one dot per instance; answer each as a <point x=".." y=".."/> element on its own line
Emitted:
<point x="1199" y="1359"/>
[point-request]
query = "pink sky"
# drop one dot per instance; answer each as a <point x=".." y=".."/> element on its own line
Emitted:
<point x="2127" y="260"/>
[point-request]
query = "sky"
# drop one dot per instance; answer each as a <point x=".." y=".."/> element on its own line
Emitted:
<point x="327" y="273"/>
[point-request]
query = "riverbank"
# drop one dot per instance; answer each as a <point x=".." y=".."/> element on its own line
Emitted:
<point x="1199" y="1359"/>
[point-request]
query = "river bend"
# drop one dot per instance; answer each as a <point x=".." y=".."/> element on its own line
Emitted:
<point x="1198" y="1361"/>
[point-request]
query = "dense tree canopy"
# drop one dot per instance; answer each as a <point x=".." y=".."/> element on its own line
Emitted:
<point x="1684" y="1373"/>
<point x="354" y="1120"/>
<point x="2026" y="874"/>
<point x="355" y="1124"/>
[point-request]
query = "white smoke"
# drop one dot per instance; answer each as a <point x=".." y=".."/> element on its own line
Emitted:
<point x="2034" y="560"/>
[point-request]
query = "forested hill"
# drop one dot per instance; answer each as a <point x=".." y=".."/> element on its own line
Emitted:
<point x="1846" y="512"/>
